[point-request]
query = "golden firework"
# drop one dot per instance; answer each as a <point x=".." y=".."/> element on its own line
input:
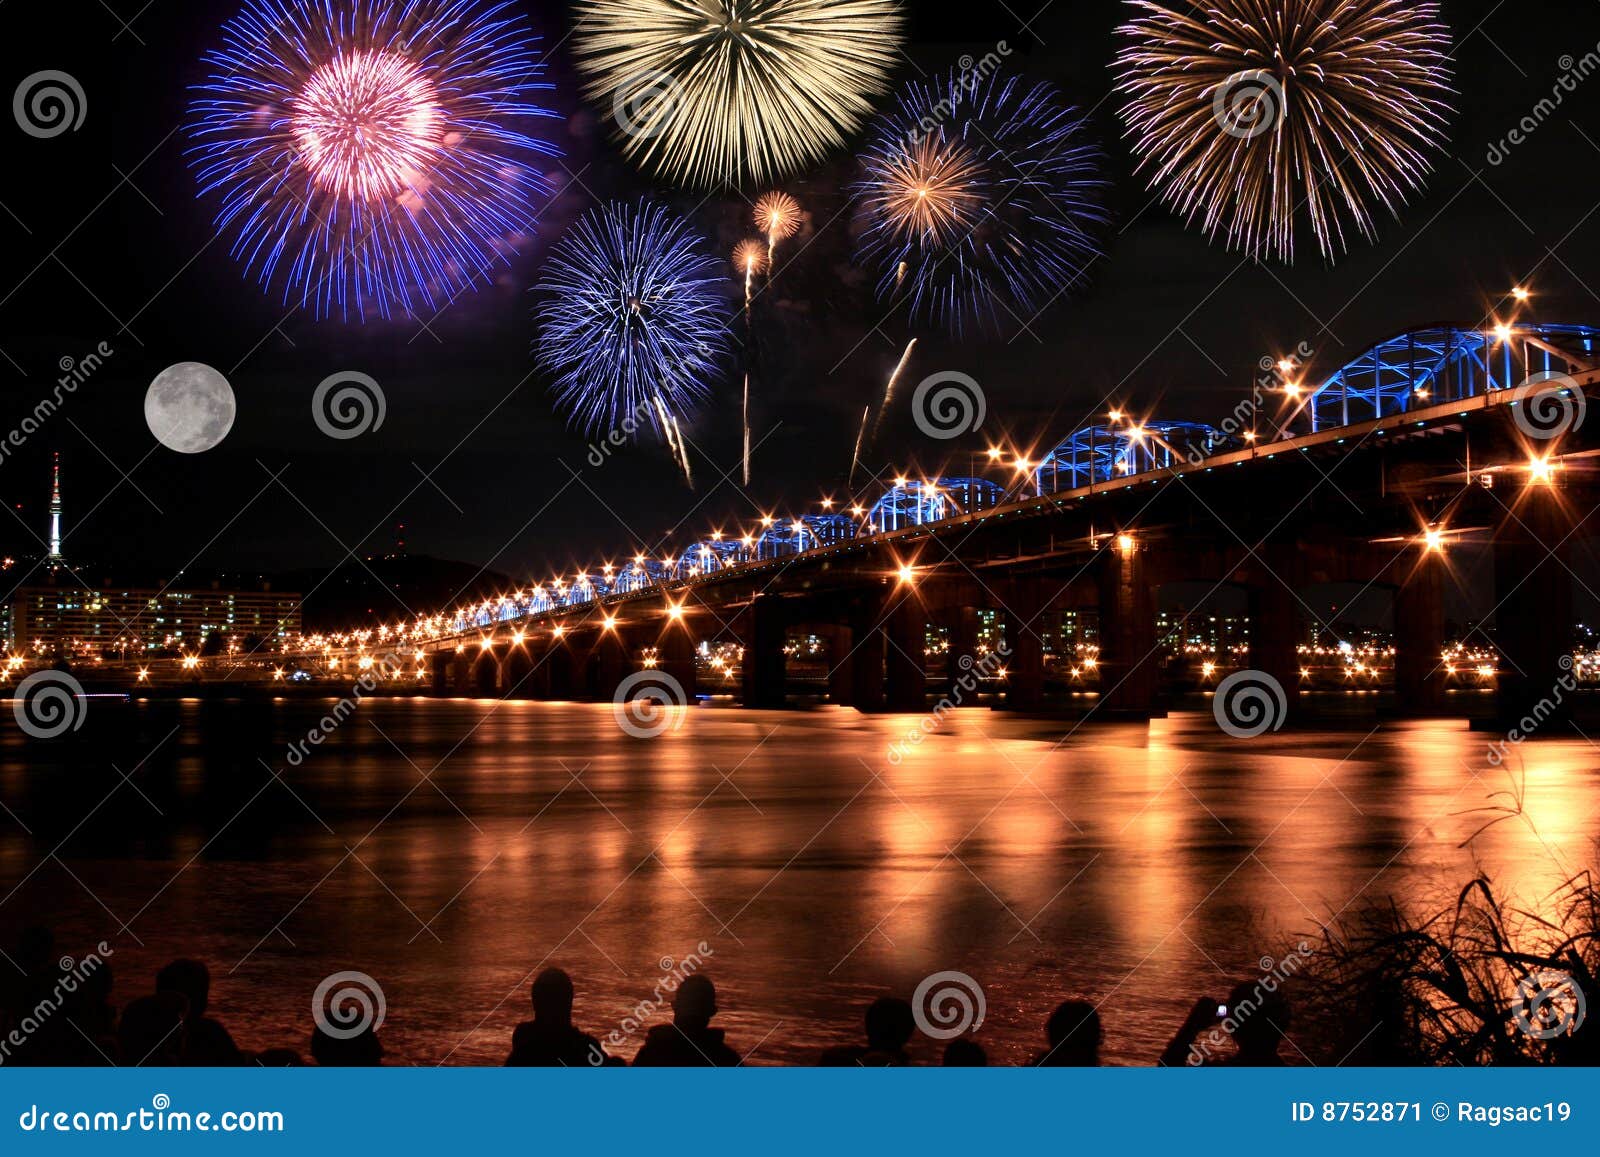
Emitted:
<point x="750" y="258"/>
<point x="778" y="216"/>
<point x="1250" y="116"/>
<point x="707" y="91"/>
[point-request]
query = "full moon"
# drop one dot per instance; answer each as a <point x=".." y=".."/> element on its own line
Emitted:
<point x="189" y="407"/>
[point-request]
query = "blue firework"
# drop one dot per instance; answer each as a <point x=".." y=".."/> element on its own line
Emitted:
<point x="983" y="200"/>
<point x="370" y="156"/>
<point x="632" y="320"/>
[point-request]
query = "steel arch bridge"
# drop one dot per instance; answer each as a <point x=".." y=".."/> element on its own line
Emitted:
<point x="1427" y="367"/>
<point x="1105" y="453"/>
<point x="1435" y="371"/>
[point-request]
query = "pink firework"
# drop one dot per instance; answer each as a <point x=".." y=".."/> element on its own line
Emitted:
<point x="371" y="156"/>
<point x="368" y="124"/>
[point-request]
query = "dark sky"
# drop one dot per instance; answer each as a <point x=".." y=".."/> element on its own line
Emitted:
<point x="102" y="240"/>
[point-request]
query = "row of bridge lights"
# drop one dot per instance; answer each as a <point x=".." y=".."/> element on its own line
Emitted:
<point x="1540" y="472"/>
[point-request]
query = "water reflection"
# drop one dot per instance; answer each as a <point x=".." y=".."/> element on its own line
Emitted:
<point x="454" y="848"/>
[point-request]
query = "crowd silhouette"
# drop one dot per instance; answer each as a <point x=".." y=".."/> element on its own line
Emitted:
<point x="52" y="1015"/>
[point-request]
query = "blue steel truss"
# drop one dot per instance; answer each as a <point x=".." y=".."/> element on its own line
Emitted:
<point x="1427" y="367"/>
<point x="1103" y="453"/>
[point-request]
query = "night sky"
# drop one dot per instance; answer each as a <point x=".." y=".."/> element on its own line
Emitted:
<point x="103" y="240"/>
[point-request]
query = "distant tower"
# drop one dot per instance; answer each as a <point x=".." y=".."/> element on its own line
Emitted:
<point x="55" y="511"/>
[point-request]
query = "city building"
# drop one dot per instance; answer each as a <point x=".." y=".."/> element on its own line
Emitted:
<point x="62" y="614"/>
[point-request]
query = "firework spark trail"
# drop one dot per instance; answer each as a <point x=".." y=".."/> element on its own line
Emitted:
<point x="748" y="257"/>
<point x="1000" y="203"/>
<point x="777" y="216"/>
<point x="888" y="390"/>
<point x="631" y="320"/>
<point x="861" y="434"/>
<point x="707" y="91"/>
<point x="1244" y="117"/>
<point x="369" y="158"/>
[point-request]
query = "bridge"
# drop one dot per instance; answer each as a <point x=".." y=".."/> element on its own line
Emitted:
<point x="1431" y="439"/>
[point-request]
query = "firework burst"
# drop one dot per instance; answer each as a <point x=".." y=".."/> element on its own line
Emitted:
<point x="750" y="259"/>
<point x="631" y="325"/>
<point x="370" y="156"/>
<point x="707" y="91"/>
<point x="978" y="193"/>
<point x="1249" y="117"/>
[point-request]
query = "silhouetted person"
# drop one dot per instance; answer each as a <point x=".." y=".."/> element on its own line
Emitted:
<point x="689" y="1041"/>
<point x="360" y="1051"/>
<point x="1258" y="1021"/>
<point x="889" y="1023"/>
<point x="208" y="1042"/>
<point x="1075" y="1035"/>
<point x="91" y="1035"/>
<point x="550" y="1037"/>
<point x="151" y="1031"/>
<point x="965" y="1053"/>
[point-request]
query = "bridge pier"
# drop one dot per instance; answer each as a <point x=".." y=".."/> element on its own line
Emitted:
<point x="439" y="671"/>
<point x="559" y="666"/>
<point x="675" y="657"/>
<point x="1025" y="663"/>
<point x="1273" y="630"/>
<point x="1533" y="612"/>
<point x="486" y="674"/>
<point x="867" y="648"/>
<point x="906" y="680"/>
<point x="1129" y="666"/>
<point x="1419" y="636"/>
<point x="605" y="668"/>
<point x="764" y="668"/>
<point x="841" y="691"/>
<point x="963" y="657"/>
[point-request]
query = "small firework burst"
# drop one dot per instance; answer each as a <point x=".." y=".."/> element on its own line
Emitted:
<point x="982" y="200"/>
